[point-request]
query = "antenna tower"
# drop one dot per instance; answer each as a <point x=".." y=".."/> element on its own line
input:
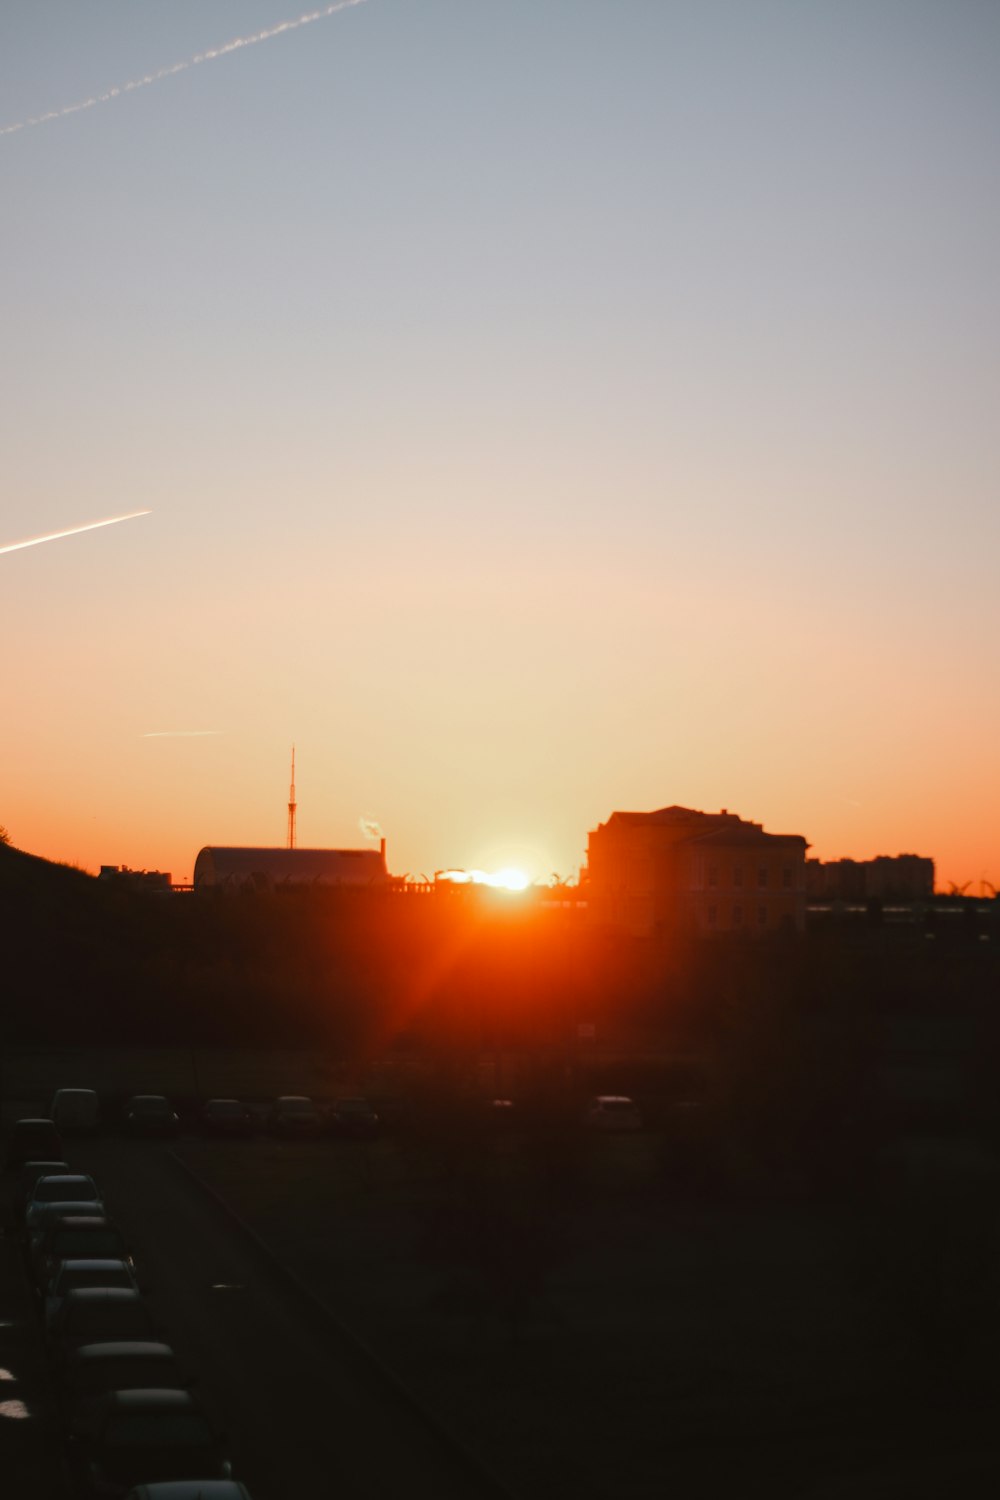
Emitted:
<point x="292" y="805"/>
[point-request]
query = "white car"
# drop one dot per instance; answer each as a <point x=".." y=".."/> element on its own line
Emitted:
<point x="73" y="1237"/>
<point x="295" y="1115"/>
<point x="150" y="1114"/>
<point x="29" y="1175"/>
<point x="75" y="1110"/>
<point x="92" y="1370"/>
<point x="613" y="1112"/>
<point x="137" y="1438"/>
<point x="71" y="1274"/>
<point x="99" y="1314"/>
<point x="54" y="1194"/>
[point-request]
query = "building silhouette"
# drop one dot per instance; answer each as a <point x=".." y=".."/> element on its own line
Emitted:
<point x="686" y="872"/>
<point x="138" y="880"/>
<point x="284" y="869"/>
<point x="902" y="877"/>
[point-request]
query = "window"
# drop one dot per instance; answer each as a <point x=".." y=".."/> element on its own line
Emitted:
<point x="737" y="875"/>
<point x="737" y="916"/>
<point x="786" y="878"/>
<point x="762" y="916"/>
<point x="713" y="915"/>
<point x="713" y="875"/>
<point x="762" y="878"/>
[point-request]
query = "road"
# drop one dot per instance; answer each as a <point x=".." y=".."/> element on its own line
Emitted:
<point x="305" y="1411"/>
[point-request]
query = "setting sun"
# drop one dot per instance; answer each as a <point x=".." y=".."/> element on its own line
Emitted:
<point x="500" y="880"/>
<point x="508" y="880"/>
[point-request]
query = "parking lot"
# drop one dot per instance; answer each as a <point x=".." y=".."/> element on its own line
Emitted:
<point x="300" y="1404"/>
<point x="543" y="1304"/>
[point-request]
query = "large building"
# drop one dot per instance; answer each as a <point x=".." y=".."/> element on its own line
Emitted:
<point x="282" y="869"/>
<point x="687" y="872"/>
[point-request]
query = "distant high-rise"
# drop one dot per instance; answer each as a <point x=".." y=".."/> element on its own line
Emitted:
<point x="900" y="877"/>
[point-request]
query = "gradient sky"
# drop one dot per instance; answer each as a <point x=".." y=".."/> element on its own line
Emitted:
<point x="545" y="407"/>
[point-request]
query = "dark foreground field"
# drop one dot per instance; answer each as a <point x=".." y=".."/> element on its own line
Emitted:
<point x="601" y="1334"/>
<point x="613" y="1315"/>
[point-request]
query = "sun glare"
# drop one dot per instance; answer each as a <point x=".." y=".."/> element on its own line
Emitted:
<point x="508" y="880"/>
<point x="500" y="880"/>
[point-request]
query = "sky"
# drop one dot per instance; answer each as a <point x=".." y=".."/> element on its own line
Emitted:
<point x="542" y="408"/>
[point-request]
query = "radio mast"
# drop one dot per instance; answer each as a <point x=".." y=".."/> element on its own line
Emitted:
<point x="292" y="804"/>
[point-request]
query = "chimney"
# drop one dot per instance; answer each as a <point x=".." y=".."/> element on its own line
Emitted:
<point x="381" y="850"/>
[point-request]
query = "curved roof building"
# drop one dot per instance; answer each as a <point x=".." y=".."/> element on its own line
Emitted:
<point x="272" y="869"/>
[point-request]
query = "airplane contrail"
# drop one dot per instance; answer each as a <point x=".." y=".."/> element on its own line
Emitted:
<point x="54" y="536"/>
<point x="182" y="67"/>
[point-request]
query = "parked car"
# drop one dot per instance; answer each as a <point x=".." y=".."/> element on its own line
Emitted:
<point x="145" y="1436"/>
<point x="96" y="1314"/>
<point x="613" y="1112"/>
<point x="150" y="1114"/>
<point x="294" y="1115"/>
<point x="33" y="1140"/>
<point x="45" y="1214"/>
<point x="500" y="1113"/>
<point x="226" y="1117"/>
<point x="75" y="1111"/>
<point x="73" y="1273"/>
<point x="28" y="1175"/>
<point x="51" y="1196"/>
<point x="352" y="1119"/>
<point x="191" y="1489"/>
<point x="93" y="1370"/>
<point x="83" y="1236"/>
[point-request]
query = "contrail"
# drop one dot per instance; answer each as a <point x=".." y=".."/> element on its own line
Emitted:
<point x="179" y="734"/>
<point x="182" y="67"/>
<point x="53" y="536"/>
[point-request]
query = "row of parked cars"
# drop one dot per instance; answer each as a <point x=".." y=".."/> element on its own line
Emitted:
<point x="290" y="1116"/>
<point x="133" y="1428"/>
<point x="78" y="1110"/>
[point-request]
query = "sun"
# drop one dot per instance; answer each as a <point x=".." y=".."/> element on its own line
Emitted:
<point x="507" y="879"/>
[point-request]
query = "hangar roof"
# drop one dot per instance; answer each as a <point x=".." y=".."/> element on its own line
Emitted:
<point x="266" y="868"/>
